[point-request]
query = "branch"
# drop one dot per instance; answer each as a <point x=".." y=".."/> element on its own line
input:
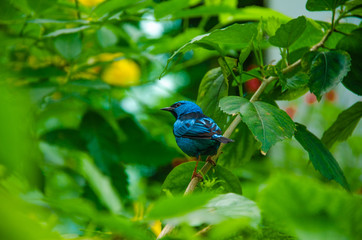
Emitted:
<point x="194" y="181"/>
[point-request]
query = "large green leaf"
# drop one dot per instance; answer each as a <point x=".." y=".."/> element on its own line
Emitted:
<point x="322" y="160"/>
<point x="327" y="70"/>
<point x="216" y="210"/>
<point x="69" y="45"/>
<point x="308" y="209"/>
<point x="268" y="123"/>
<point x="235" y="36"/>
<point x="325" y="5"/>
<point x="288" y="33"/>
<point x="352" y="44"/>
<point x="312" y="34"/>
<point x="212" y="88"/>
<point x="343" y="127"/>
<point x="178" y="179"/>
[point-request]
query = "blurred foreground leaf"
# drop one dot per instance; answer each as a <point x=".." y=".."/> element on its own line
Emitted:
<point x="179" y="205"/>
<point x="309" y="210"/>
<point x="211" y="210"/>
<point x="120" y="226"/>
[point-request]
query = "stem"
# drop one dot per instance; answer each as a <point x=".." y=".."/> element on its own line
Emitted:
<point x="252" y="75"/>
<point x="333" y="15"/>
<point x="230" y="70"/>
<point x="194" y="181"/>
<point x="77" y="7"/>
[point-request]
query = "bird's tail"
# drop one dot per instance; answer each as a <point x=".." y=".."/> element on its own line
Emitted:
<point x="222" y="139"/>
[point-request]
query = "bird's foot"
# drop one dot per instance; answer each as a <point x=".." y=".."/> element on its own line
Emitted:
<point x="209" y="160"/>
<point x="198" y="175"/>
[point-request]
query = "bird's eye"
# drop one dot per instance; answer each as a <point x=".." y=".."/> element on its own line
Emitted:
<point x="176" y="105"/>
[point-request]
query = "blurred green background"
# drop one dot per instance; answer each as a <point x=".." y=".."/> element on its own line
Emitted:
<point x="84" y="149"/>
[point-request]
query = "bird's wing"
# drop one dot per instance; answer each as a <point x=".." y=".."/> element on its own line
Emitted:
<point x="196" y="127"/>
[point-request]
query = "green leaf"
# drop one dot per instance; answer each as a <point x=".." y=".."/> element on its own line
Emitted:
<point x="247" y="13"/>
<point x="352" y="44"/>
<point x="106" y="37"/>
<point x="325" y="5"/>
<point x="220" y="208"/>
<point x="100" y="183"/>
<point x="179" y="205"/>
<point x="308" y="209"/>
<point x="237" y="154"/>
<point x="312" y="34"/>
<point x="178" y="179"/>
<point x="293" y="87"/>
<point x="322" y="160"/>
<point x="354" y="7"/>
<point x="65" y="31"/>
<point x="69" y="45"/>
<point x="327" y="70"/>
<point x="80" y="209"/>
<point x="343" y="127"/>
<point x="101" y="141"/>
<point x="212" y="88"/>
<point x="232" y="104"/>
<point x="268" y="123"/>
<point x="236" y="36"/>
<point x="170" y="8"/>
<point x="83" y="164"/>
<point x="288" y="33"/>
<point x="106" y="8"/>
<point x="297" y="81"/>
<point x="133" y="150"/>
<point x="63" y="114"/>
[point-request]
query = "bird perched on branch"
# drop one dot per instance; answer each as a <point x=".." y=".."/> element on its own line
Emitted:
<point x="196" y="134"/>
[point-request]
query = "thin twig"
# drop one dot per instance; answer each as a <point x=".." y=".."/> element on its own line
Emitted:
<point x="194" y="181"/>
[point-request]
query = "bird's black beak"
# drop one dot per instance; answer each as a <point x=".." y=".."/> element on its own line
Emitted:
<point x="169" y="109"/>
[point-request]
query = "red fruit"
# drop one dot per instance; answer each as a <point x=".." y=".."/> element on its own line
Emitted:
<point x="331" y="96"/>
<point x="291" y="111"/>
<point x="252" y="85"/>
<point x="251" y="66"/>
<point x="310" y="98"/>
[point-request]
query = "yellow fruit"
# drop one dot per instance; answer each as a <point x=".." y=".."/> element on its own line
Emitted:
<point x="122" y="73"/>
<point x="90" y="3"/>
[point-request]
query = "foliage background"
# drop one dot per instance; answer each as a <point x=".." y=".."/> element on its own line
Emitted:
<point x="85" y="151"/>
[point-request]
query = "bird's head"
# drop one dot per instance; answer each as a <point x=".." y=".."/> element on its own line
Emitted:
<point x="182" y="107"/>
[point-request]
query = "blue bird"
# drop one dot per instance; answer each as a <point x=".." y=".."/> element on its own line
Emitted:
<point x="196" y="134"/>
